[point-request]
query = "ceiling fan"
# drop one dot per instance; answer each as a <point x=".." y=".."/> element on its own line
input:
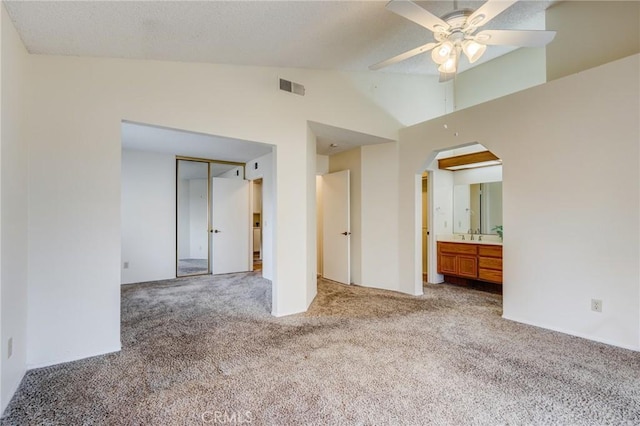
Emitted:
<point x="455" y="33"/>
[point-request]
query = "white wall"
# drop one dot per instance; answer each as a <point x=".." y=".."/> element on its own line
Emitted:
<point x="379" y="206"/>
<point x="235" y="173"/>
<point x="479" y="175"/>
<point x="13" y="209"/>
<point x="410" y="99"/>
<point x="582" y="131"/>
<point x="510" y="73"/>
<point x="148" y="216"/>
<point x="79" y="103"/>
<point x="578" y="47"/>
<point x="312" y="243"/>
<point x="322" y="164"/>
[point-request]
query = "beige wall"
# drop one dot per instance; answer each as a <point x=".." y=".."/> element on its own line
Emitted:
<point x="510" y="73"/>
<point x="379" y="215"/>
<point x="591" y="33"/>
<point x="570" y="151"/>
<point x="14" y="209"/>
<point x="74" y="165"/>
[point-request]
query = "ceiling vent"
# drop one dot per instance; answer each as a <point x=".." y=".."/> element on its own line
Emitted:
<point x="291" y="87"/>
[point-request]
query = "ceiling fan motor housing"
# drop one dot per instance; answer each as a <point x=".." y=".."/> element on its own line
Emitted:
<point x="458" y="18"/>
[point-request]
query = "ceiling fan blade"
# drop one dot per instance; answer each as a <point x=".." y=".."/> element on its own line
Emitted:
<point x="488" y="11"/>
<point x="403" y="56"/>
<point x="415" y="13"/>
<point x="523" y="38"/>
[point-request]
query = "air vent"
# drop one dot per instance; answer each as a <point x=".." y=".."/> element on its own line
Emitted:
<point x="291" y="87"/>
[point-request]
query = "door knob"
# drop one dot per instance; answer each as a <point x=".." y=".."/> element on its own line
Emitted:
<point x="346" y="233"/>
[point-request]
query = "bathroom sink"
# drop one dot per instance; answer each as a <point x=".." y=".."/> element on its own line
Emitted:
<point x="457" y="238"/>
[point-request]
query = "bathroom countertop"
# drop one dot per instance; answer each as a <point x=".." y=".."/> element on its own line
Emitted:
<point x="450" y="238"/>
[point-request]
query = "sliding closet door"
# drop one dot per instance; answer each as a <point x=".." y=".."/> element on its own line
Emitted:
<point x="192" y="209"/>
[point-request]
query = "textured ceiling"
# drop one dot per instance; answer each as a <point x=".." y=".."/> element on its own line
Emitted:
<point x="338" y="35"/>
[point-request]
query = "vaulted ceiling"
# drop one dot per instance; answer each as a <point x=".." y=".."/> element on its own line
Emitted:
<point x="333" y="35"/>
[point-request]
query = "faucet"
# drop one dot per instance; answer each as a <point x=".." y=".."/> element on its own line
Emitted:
<point x="471" y="232"/>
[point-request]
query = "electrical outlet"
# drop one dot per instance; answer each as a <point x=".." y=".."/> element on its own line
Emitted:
<point x="126" y="265"/>
<point x="10" y="347"/>
<point x="596" y="305"/>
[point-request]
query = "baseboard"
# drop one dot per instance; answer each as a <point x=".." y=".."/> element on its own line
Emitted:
<point x="575" y="334"/>
<point x="286" y="314"/>
<point x="11" y="391"/>
<point x="63" y="361"/>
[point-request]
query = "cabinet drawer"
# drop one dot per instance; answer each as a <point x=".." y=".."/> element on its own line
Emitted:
<point x="457" y="248"/>
<point x="490" y="263"/>
<point x="490" y="251"/>
<point x="490" y="275"/>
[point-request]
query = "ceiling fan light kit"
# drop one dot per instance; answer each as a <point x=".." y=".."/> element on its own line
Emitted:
<point x="441" y="54"/>
<point x="455" y="32"/>
<point x="473" y="50"/>
<point x="451" y="64"/>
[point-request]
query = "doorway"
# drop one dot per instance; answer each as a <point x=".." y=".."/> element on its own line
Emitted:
<point x="462" y="210"/>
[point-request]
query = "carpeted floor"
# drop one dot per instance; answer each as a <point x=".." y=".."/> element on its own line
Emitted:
<point x="206" y="350"/>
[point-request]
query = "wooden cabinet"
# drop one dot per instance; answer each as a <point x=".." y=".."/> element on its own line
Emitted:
<point x="467" y="266"/>
<point x="474" y="261"/>
<point x="458" y="259"/>
<point x="490" y="263"/>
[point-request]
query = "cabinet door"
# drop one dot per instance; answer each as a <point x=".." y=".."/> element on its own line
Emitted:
<point x="447" y="264"/>
<point x="467" y="266"/>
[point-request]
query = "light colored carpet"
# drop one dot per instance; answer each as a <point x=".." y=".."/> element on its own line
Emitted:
<point x="201" y="347"/>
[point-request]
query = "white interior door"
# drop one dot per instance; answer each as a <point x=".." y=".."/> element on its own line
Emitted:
<point x="336" y="230"/>
<point x="230" y="222"/>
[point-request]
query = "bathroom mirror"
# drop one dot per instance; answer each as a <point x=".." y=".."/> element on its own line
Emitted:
<point x="477" y="206"/>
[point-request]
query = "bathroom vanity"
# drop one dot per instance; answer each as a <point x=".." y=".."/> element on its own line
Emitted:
<point x="471" y="260"/>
